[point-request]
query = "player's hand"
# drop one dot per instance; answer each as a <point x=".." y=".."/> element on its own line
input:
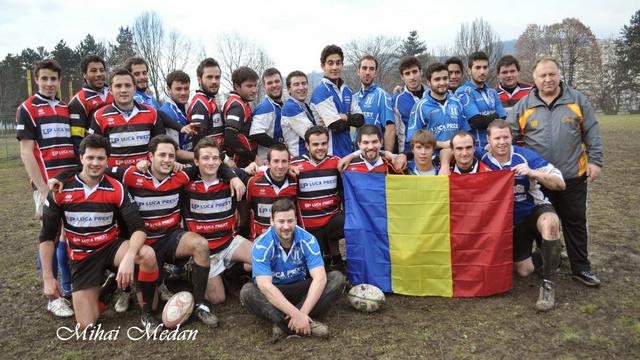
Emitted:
<point x="177" y="167"/>
<point x="230" y="163"/>
<point x="125" y="272"/>
<point x="400" y="162"/>
<point x="143" y="165"/>
<point x="397" y="89"/>
<point x="54" y="185"/>
<point x="523" y="170"/>
<point x="258" y="161"/>
<point x="237" y="188"/>
<point x="52" y="289"/>
<point x="300" y="323"/>
<point x="344" y="162"/>
<point x="294" y="171"/>
<point x="190" y="129"/>
<point x="593" y="172"/>
<point x="343" y="117"/>
<point x="251" y="169"/>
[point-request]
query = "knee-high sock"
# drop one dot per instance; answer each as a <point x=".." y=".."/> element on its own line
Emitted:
<point x="550" y="258"/>
<point x="63" y="265"/>
<point x="147" y="281"/>
<point x="199" y="278"/>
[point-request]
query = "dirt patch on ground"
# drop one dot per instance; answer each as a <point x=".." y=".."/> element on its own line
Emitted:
<point x="588" y="323"/>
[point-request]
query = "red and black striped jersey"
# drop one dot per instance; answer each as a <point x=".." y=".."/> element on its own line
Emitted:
<point x="209" y="210"/>
<point x="237" y="115"/>
<point x="203" y="110"/>
<point x="381" y="165"/>
<point x="509" y="99"/>
<point x="84" y="104"/>
<point x="129" y="135"/>
<point x="46" y="121"/>
<point x="261" y="194"/>
<point x="319" y="188"/>
<point x="89" y="215"/>
<point x="158" y="200"/>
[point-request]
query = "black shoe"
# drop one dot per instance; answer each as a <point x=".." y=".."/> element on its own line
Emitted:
<point x="149" y="322"/>
<point x="587" y="277"/>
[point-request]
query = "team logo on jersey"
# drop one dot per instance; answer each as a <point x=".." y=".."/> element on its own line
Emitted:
<point x="110" y="121"/>
<point x="94" y="102"/>
<point x="139" y="181"/>
<point x="68" y="197"/>
<point x="533" y="123"/>
<point x="40" y="112"/>
<point x="453" y="111"/>
<point x="368" y="100"/>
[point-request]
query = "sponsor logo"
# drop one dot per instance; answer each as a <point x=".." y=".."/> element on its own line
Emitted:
<point x="126" y="139"/>
<point x="55" y="130"/>
<point x="211" y="206"/>
<point x="157" y="202"/>
<point x="88" y="219"/>
<point x="264" y="210"/>
<point x="318" y="183"/>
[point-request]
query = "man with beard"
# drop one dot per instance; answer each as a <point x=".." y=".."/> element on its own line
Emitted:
<point x="203" y="109"/>
<point x="480" y="102"/>
<point x="93" y="95"/>
<point x="369" y="160"/>
<point x="375" y="102"/>
<point x="266" y="127"/>
<point x="319" y="194"/>
<point x="139" y="68"/>
<point x="297" y="116"/>
<point x="438" y="111"/>
<point x="290" y="286"/>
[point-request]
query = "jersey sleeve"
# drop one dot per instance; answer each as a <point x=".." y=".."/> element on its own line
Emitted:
<point x="198" y="114"/>
<point x="94" y="127"/>
<point x="25" y="128"/>
<point x="355" y="106"/>
<point x="313" y="255"/>
<point x="469" y="107"/>
<point x="416" y="122"/>
<point x="500" y="111"/>
<point x="261" y="254"/>
<point x="324" y="107"/>
<point x="158" y="125"/>
<point x="78" y="119"/>
<point x="51" y="217"/>
<point x="234" y="117"/>
<point x="386" y="112"/>
<point x="263" y="117"/>
<point x="129" y="212"/>
<point x="591" y="132"/>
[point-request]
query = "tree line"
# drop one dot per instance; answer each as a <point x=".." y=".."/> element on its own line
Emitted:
<point x="606" y="70"/>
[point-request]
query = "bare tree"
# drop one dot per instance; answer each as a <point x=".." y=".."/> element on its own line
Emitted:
<point x="236" y="51"/>
<point x="530" y="46"/>
<point x="386" y="49"/>
<point x="479" y="36"/>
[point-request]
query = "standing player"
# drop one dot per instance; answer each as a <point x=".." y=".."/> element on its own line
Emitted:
<point x="297" y="116"/>
<point x="510" y="90"/>
<point x="403" y="102"/>
<point x="480" y="102"/>
<point x="93" y="95"/>
<point x="46" y="148"/>
<point x="334" y="104"/>
<point x="438" y="111"/>
<point x="175" y="107"/>
<point x="319" y="194"/>
<point x="559" y="123"/>
<point x="237" y="117"/>
<point x="209" y="209"/>
<point x="374" y="101"/>
<point x="266" y="127"/>
<point x="139" y="68"/>
<point x="88" y="208"/>
<point x="456" y="73"/>
<point x="533" y="215"/>
<point x="203" y="109"/>
<point x="266" y="187"/>
<point x="369" y="160"/>
<point x="290" y="286"/>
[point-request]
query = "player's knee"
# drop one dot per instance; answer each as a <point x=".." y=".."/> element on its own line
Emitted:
<point x="524" y="268"/>
<point x="215" y="296"/>
<point x="549" y="226"/>
<point x="199" y="245"/>
<point x="147" y="257"/>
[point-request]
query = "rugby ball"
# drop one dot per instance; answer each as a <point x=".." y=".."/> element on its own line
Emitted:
<point x="178" y="309"/>
<point x="366" y="298"/>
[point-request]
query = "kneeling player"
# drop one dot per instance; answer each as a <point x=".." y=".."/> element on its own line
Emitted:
<point x="88" y="208"/>
<point x="423" y="143"/>
<point x="533" y="214"/>
<point x="209" y="209"/>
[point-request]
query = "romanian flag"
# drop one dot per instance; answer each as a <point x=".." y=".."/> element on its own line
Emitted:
<point x="430" y="235"/>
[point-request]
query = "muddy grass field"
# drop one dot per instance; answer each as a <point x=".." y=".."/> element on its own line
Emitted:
<point x="587" y="323"/>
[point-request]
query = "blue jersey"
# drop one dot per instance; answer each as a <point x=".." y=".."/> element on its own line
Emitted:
<point x="441" y="120"/>
<point x="413" y="170"/>
<point x="328" y="102"/>
<point x="266" y="120"/>
<point x="402" y="103"/>
<point x="297" y="118"/>
<point x="142" y="98"/>
<point x="376" y="107"/>
<point x="526" y="191"/>
<point x="476" y="101"/>
<point x="269" y="258"/>
<point x="173" y="111"/>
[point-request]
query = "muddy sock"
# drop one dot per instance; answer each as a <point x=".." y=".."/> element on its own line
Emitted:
<point x="550" y="258"/>
<point x="147" y="282"/>
<point x="199" y="278"/>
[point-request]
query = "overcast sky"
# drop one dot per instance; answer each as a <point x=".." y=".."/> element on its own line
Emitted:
<point x="294" y="32"/>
